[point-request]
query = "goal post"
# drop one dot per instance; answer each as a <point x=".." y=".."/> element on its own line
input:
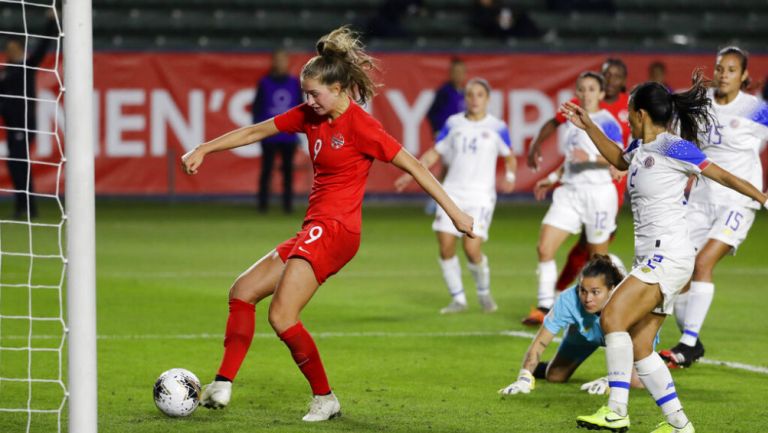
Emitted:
<point x="80" y="213"/>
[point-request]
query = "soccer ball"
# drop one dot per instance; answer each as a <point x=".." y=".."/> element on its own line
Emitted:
<point x="177" y="392"/>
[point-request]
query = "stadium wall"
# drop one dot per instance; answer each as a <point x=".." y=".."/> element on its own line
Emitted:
<point x="153" y="107"/>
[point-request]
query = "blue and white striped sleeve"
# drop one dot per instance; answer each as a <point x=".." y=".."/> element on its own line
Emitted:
<point x="441" y="142"/>
<point x="612" y="130"/>
<point x="760" y="117"/>
<point x="505" y="144"/>
<point x="631" y="149"/>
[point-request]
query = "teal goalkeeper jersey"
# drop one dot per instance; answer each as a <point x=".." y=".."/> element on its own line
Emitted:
<point x="568" y="311"/>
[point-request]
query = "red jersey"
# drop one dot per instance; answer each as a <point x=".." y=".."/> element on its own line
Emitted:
<point x="342" y="152"/>
<point x="618" y="108"/>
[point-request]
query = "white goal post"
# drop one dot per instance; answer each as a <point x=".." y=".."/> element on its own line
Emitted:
<point x="80" y="212"/>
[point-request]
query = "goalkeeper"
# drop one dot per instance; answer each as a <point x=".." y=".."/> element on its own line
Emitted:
<point x="577" y="311"/>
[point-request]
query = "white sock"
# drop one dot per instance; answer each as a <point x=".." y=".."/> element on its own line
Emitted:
<point x="452" y="275"/>
<point x="618" y="358"/>
<point x="681" y="304"/>
<point x="481" y="273"/>
<point x="699" y="299"/>
<point x="658" y="381"/>
<point x="547" y="272"/>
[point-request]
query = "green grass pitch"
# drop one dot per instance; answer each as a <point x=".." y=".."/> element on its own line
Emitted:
<point x="395" y="363"/>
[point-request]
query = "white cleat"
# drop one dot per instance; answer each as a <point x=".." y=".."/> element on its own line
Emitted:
<point x="323" y="408"/>
<point x="454" y="307"/>
<point x="216" y="395"/>
<point x="487" y="303"/>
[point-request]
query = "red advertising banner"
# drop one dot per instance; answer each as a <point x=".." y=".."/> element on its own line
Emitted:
<point x="153" y="107"/>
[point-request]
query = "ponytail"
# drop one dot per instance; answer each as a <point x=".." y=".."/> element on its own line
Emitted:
<point x="693" y="108"/>
<point x="689" y="110"/>
<point x="341" y="58"/>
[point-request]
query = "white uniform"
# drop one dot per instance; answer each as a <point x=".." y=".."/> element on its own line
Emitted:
<point x="587" y="197"/>
<point x="470" y="150"/>
<point x="715" y="211"/>
<point x="658" y="175"/>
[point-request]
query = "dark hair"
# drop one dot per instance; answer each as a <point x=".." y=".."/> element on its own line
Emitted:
<point x="657" y="64"/>
<point x="481" y="81"/>
<point x="602" y="265"/>
<point x="591" y="74"/>
<point x="341" y="58"/>
<point x="614" y="61"/>
<point x="689" y="109"/>
<point x="456" y="61"/>
<point x="743" y="59"/>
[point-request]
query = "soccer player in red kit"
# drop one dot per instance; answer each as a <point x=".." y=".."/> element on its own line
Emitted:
<point x="616" y="102"/>
<point x="343" y="142"/>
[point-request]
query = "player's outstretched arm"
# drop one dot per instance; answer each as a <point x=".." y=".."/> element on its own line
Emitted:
<point x="406" y="162"/>
<point x="534" y="151"/>
<point x="726" y="178"/>
<point x="525" y="382"/>
<point x="192" y="160"/>
<point x="428" y="159"/>
<point x="607" y="147"/>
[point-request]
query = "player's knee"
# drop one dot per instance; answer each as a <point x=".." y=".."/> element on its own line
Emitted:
<point x="280" y="317"/>
<point x="544" y="253"/>
<point x="556" y="375"/>
<point x="610" y="321"/>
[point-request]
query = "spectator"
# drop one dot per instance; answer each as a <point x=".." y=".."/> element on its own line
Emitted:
<point x="276" y="93"/>
<point x="494" y="20"/>
<point x="657" y="71"/>
<point x="18" y="79"/>
<point x="449" y="98"/>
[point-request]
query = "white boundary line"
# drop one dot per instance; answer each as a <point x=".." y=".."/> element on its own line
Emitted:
<point x="372" y="334"/>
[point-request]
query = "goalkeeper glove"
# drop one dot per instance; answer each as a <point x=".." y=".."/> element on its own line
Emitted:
<point x="597" y="386"/>
<point x="524" y="384"/>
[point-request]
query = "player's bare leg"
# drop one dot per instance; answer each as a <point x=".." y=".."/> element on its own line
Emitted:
<point x="256" y="283"/>
<point x="697" y="302"/>
<point x="451" y="268"/>
<point x="550" y="240"/>
<point x="296" y="287"/>
<point x="477" y="263"/>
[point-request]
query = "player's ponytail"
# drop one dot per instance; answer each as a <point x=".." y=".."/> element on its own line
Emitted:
<point x="602" y="265"/>
<point x="341" y="58"/>
<point x="689" y="110"/>
<point x="692" y="108"/>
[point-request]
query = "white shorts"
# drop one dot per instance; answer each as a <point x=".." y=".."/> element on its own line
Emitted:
<point x="482" y="214"/>
<point x="727" y="224"/>
<point x="592" y="206"/>
<point x="671" y="271"/>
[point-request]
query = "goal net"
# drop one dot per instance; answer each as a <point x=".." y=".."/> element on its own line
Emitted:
<point x="33" y="394"/>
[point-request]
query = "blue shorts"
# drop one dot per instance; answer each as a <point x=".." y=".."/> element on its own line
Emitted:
<point x="575" y="347"/>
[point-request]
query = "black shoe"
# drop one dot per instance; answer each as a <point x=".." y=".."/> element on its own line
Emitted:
<point x="682" y="355"/>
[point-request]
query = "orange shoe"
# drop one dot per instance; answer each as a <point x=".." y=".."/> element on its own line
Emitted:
<point x="535" y="317"/>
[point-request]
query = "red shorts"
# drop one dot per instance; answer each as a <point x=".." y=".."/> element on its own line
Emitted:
<point x="327" y="245"/>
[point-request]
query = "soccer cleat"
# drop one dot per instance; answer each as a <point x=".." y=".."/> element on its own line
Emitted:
<point x="216" y="395"/>
<point x="604" y="419"/>
<point x="535" y="317"/>
<point x="666" y="427"/>
<point x="454" y="307"/>
<point x="323" y="408"/>
<point x="682" y="355"/>
<point x="487" y="303"/>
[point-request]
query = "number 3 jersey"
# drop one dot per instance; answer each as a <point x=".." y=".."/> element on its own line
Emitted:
<point x="734" y="143"/>
<point x="656" y="180"/>
<point x="470" y="150"/>
<point x="342" y="151"/>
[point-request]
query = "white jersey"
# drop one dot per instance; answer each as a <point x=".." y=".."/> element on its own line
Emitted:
<point x="470" y="149"/>
<point x="734" y="144"/>
<point x="658" y="175"/>
<point x="575" y="138"/>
